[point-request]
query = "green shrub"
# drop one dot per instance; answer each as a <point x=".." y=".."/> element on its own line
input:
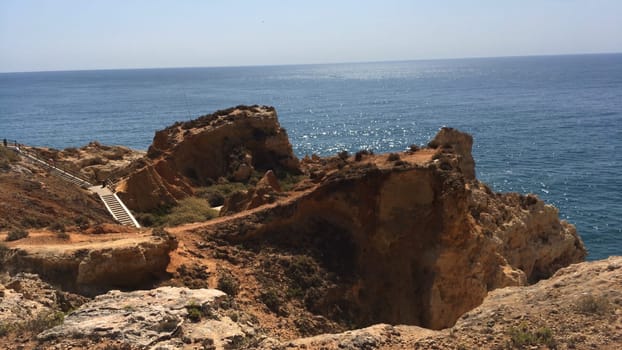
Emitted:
<point x="288" y="182"/>
<point x="5" y="328"/>
<point x="362" y="153"/>
<point x="43" y="321"/>
<point x="343" y="155"/>
<point x="191" y="209"/>
<point x="523" y="335"/>
<point x="393" y="157"/>
<point x="589" y="304"/>
<point x="72" y="151"/>
<point x="271" y="299"/>
<point x="146" y="219"/>
<point x="16" y="234"/>
<point x="8" y="155"/>
<point x="3" y="250"/>
<point x="82" y="222"/>
<point x="304" y="272"/>
<point x="228" y="284"/>
<point x="217" y="193"/>
<point x="57" y="226"/>
<point x="194" y="312"/>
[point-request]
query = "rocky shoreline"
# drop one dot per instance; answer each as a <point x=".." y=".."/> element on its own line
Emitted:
<point x="363" y="251"/>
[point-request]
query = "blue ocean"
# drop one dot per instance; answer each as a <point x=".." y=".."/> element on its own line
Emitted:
<point x="548" y="125"/>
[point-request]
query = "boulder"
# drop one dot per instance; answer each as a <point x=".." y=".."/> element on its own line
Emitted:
<point x="270" y="182"/>
<point x="166" y="317"/>
<point x="25" y="297"/>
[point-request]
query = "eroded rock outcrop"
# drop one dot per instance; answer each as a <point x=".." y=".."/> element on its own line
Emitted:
<point x="579" y="307"/>
<point x="232" y="143"/>
<point x="162" y="318"/>
<point x="137" y="261"/>
<point x="411" y="238"/>
<point x="25" y="297"/>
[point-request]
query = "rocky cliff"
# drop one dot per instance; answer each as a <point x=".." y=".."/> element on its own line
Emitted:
<point x="410" y="238"/>
<point x="94" y="265"/>
<point x="580" y="307"/>
<point x="231" y="144"/>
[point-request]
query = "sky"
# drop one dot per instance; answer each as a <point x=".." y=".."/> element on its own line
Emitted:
<point x="95" y="34"/>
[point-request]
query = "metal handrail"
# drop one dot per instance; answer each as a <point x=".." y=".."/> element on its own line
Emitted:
<point x="19" y="148"/>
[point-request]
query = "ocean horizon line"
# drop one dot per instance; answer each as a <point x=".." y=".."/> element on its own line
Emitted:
<point x="313" y="64"/>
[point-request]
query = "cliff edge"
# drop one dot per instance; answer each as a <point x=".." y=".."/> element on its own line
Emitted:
<point x="365" y="241"/>
<point x="408" y="238"/>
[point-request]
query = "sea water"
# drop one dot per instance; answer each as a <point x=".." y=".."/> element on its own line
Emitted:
<point x="546" y="125"/>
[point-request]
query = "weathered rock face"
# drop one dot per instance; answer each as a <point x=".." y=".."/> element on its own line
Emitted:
<point x="579" y="307"/>
<point x="413" y="241"/>
<point x="266" y="191"/>
<point x="94" y="161"/>
<point x="231" y="143"/>
<point x="156" y="319"/>
<point x="458" y="143"/>
<point x="24" y="297"/>
<point x="90" y="269"/>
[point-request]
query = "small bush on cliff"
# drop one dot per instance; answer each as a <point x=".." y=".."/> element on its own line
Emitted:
<point x="304" y="272"/>
<point x="7" y="156"/>
<point x="228" y="284"/>
<point x="589" y="304"/>
<point x="82" y="222"/>
<point x="71" y="151"/>
<point x="271" y="299"/>
<point x="360" y="154"/>
<point x="288" y="181"/>
<point x="194" y="312"/>
<point x="343" y="155"/>
<point x="16" y="234"/>
<point x="393" y="157"/>
<point x="5" y="328"/>
<point x="3" y="251"/>
<point x="523" y="336"/>
<point x="188" y="210"/>
<point x="217" y="193"/>
<point x="43" y="321"/>
<point x="57" y="226"/>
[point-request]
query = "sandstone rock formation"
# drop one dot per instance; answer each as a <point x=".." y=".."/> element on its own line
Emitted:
<point x="266" y="191"/>
<point x="161" y="318"/>
<point x="580" y="307"/>
<point x="90" y="268"/>
<point x="94" y="161"/>
<point x="232" y="143"/>
<point x="410" y="240"/>
<point x="25" y="297"/>
<point x="373" y="241"/>
<point x="450" y="140"/>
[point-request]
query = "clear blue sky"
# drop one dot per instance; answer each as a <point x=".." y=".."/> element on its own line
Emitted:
<point x="97" y="34"/>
